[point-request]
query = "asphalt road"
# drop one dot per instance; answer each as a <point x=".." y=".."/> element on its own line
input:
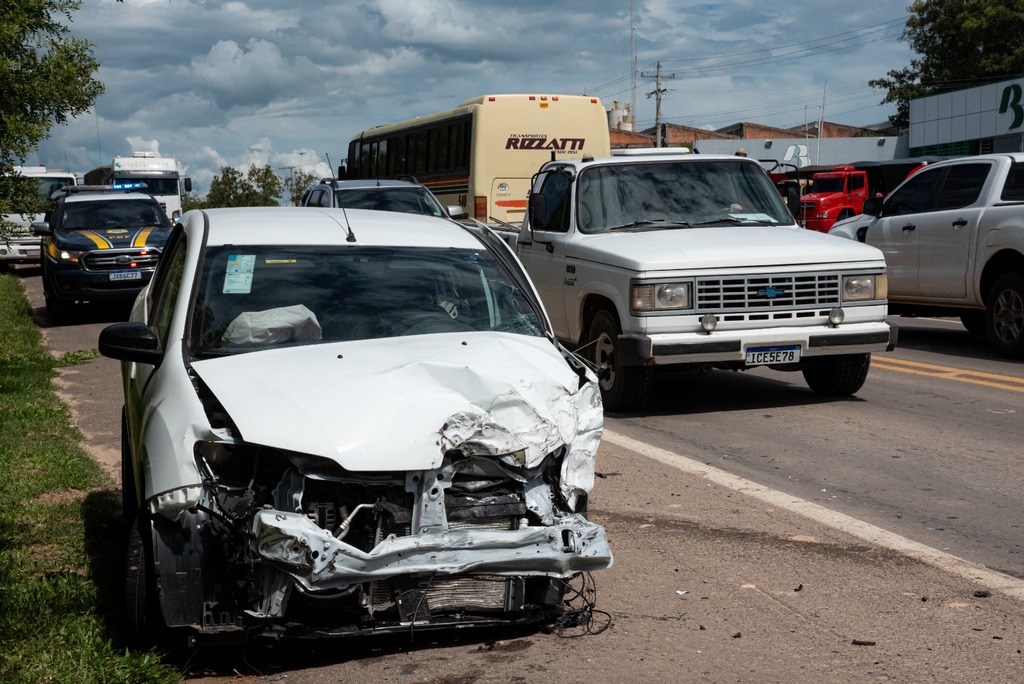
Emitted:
<point x="761" y="534"/>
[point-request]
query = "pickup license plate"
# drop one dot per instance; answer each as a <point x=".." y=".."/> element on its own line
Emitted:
<point x="126" y="275"/>
<point x="32" y="252"/>
<point x="763" y="356"/>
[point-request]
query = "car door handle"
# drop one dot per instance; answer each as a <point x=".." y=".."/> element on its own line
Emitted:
<point x="959" y="223"/>
<point x="909" y="227"/>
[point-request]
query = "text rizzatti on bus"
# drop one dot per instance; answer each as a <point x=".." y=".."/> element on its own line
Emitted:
<point x="483" y="153"/>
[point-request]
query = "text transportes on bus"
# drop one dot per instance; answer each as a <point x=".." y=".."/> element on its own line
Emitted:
<point x="159" y="175"/>
<point x="482" y="154"/>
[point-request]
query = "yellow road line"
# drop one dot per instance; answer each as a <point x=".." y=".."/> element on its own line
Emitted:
<point x="1006" y="382"/>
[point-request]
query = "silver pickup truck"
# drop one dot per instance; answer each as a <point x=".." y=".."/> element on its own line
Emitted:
<point x="953" y="239"/>
<point x="658" y="257"/>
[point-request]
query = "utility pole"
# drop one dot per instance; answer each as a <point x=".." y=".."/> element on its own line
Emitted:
<point x="658" y="90"/>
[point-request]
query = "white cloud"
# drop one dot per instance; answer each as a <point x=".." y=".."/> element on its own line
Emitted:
<point x="231" y="83"/>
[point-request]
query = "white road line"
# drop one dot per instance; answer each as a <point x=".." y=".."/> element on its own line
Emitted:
<point x="990" y="579"/>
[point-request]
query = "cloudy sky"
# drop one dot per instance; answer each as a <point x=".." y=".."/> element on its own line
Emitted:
<point x="216" y="84"/>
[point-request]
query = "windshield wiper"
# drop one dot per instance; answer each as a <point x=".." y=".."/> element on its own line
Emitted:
<point x="644" y="223"/>
<point x="732" y="220"/>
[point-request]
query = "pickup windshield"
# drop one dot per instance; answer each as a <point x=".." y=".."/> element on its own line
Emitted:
<point x="677" y="194"/>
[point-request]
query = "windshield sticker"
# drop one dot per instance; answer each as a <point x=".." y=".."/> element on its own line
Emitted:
<point x="238" y="274"/>
<point x="280" y="261"/>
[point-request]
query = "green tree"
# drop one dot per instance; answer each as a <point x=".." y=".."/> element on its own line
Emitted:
<point x="960" y="43"/>
<point x="259" y="187"/>
<point x="46" y="77"/>
<point x="296" y="184"/>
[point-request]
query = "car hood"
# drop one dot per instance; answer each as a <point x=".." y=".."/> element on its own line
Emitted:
<point x="400" y="404"/>
<point x="113" y="238"/>
<point x="719" y="247"/>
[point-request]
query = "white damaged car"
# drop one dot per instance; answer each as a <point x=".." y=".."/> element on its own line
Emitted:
<point x="343" y="422"/>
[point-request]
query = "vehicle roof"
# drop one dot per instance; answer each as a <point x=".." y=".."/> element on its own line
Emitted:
<point x="364" y="183"/>
<point x="995" y="156"/>
<point x="108" y="196"/>
<point x="321" y="226"/>
<point x="669" y="154"/>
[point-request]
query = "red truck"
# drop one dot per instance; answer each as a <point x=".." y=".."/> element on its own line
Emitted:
<point x="840" y="193"/>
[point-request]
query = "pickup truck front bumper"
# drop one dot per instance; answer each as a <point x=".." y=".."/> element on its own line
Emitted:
<point x="730" y="346"/>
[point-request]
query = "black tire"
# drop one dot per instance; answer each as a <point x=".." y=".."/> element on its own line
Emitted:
<point x="623" y="388"/>
<point x="58" y="311"/>
<point x="1004" y="316"/>
<point x="144" y="626"/>
<point x="974" y="322"/>
<point x="838" y="376"/>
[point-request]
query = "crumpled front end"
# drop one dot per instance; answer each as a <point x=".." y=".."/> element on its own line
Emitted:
<point x="304" y="545"/>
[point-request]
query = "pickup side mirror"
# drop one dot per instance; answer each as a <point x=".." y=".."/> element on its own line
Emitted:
<point x="873" y="206"/>
<point x="131" y="342"/>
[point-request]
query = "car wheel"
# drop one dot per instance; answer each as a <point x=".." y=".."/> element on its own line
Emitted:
<point x="1004" y="316"/>
<point x="143" y="622"/>
<point x="623" y="388"/>
<point x="838" y="376"/>
<point x="974" y="322"/>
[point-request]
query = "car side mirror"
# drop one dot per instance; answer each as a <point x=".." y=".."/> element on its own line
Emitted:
<point x="41" y="228"/>
<point x="131" y="341"/>
<point x="456" y="211"/>
<point x="873" y="206"/>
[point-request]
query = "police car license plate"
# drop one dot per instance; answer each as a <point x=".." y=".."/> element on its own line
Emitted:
<point x="126" y="275"/>
<point x="762" y="356"/>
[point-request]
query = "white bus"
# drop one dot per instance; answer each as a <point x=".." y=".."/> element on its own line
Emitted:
<point x="160" y="175"/>
<point x="18" y="244"/>
<point x="482" y="154"/>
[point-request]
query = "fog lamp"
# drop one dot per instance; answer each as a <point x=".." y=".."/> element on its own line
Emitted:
<point x="836" y="316"/>
<point x="708" y="322"/>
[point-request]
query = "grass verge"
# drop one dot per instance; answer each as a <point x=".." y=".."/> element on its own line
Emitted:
<point x="61" y="536"/>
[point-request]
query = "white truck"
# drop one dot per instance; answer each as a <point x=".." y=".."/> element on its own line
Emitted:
<point x="18" y="244"/>
<point x="658" y="257"/>
<point x="158" y="175"/>
<point x="953" y="239"/>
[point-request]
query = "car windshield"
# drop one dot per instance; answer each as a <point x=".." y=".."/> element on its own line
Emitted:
<point x="130" y="213"/>
<point x="669" y="193"/>
<point x="257" y="297"/>
<point x="384" y="198"/>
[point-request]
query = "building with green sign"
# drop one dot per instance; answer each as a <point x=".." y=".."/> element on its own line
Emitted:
<point x="988" y="118"/>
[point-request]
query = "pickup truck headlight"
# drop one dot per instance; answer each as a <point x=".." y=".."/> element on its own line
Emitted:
<point x="63" y="256"/>
<point x="663" y="296"/>
<point x="863" y="288"/>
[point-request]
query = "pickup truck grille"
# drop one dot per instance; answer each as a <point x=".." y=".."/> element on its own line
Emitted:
<point x="115" y="261"/>
<point x="768" y="292"/>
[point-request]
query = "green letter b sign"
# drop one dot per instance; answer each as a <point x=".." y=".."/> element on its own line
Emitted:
<point x="1011" y="101"/>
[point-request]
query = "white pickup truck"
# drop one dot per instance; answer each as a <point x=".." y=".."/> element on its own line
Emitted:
<point x="659" y="257"/>
<point x="953" y="239"/>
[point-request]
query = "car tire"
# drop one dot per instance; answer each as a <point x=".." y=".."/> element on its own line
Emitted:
<point x="623" y="388"/>
<point x="1004" y="316"/>
<point x="144" y="625"/>
<point x="838" y="376"/>
<point x="974" y="322"/>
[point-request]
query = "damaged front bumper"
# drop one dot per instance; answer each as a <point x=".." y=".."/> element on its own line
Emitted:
<point x="318" y="561"/>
